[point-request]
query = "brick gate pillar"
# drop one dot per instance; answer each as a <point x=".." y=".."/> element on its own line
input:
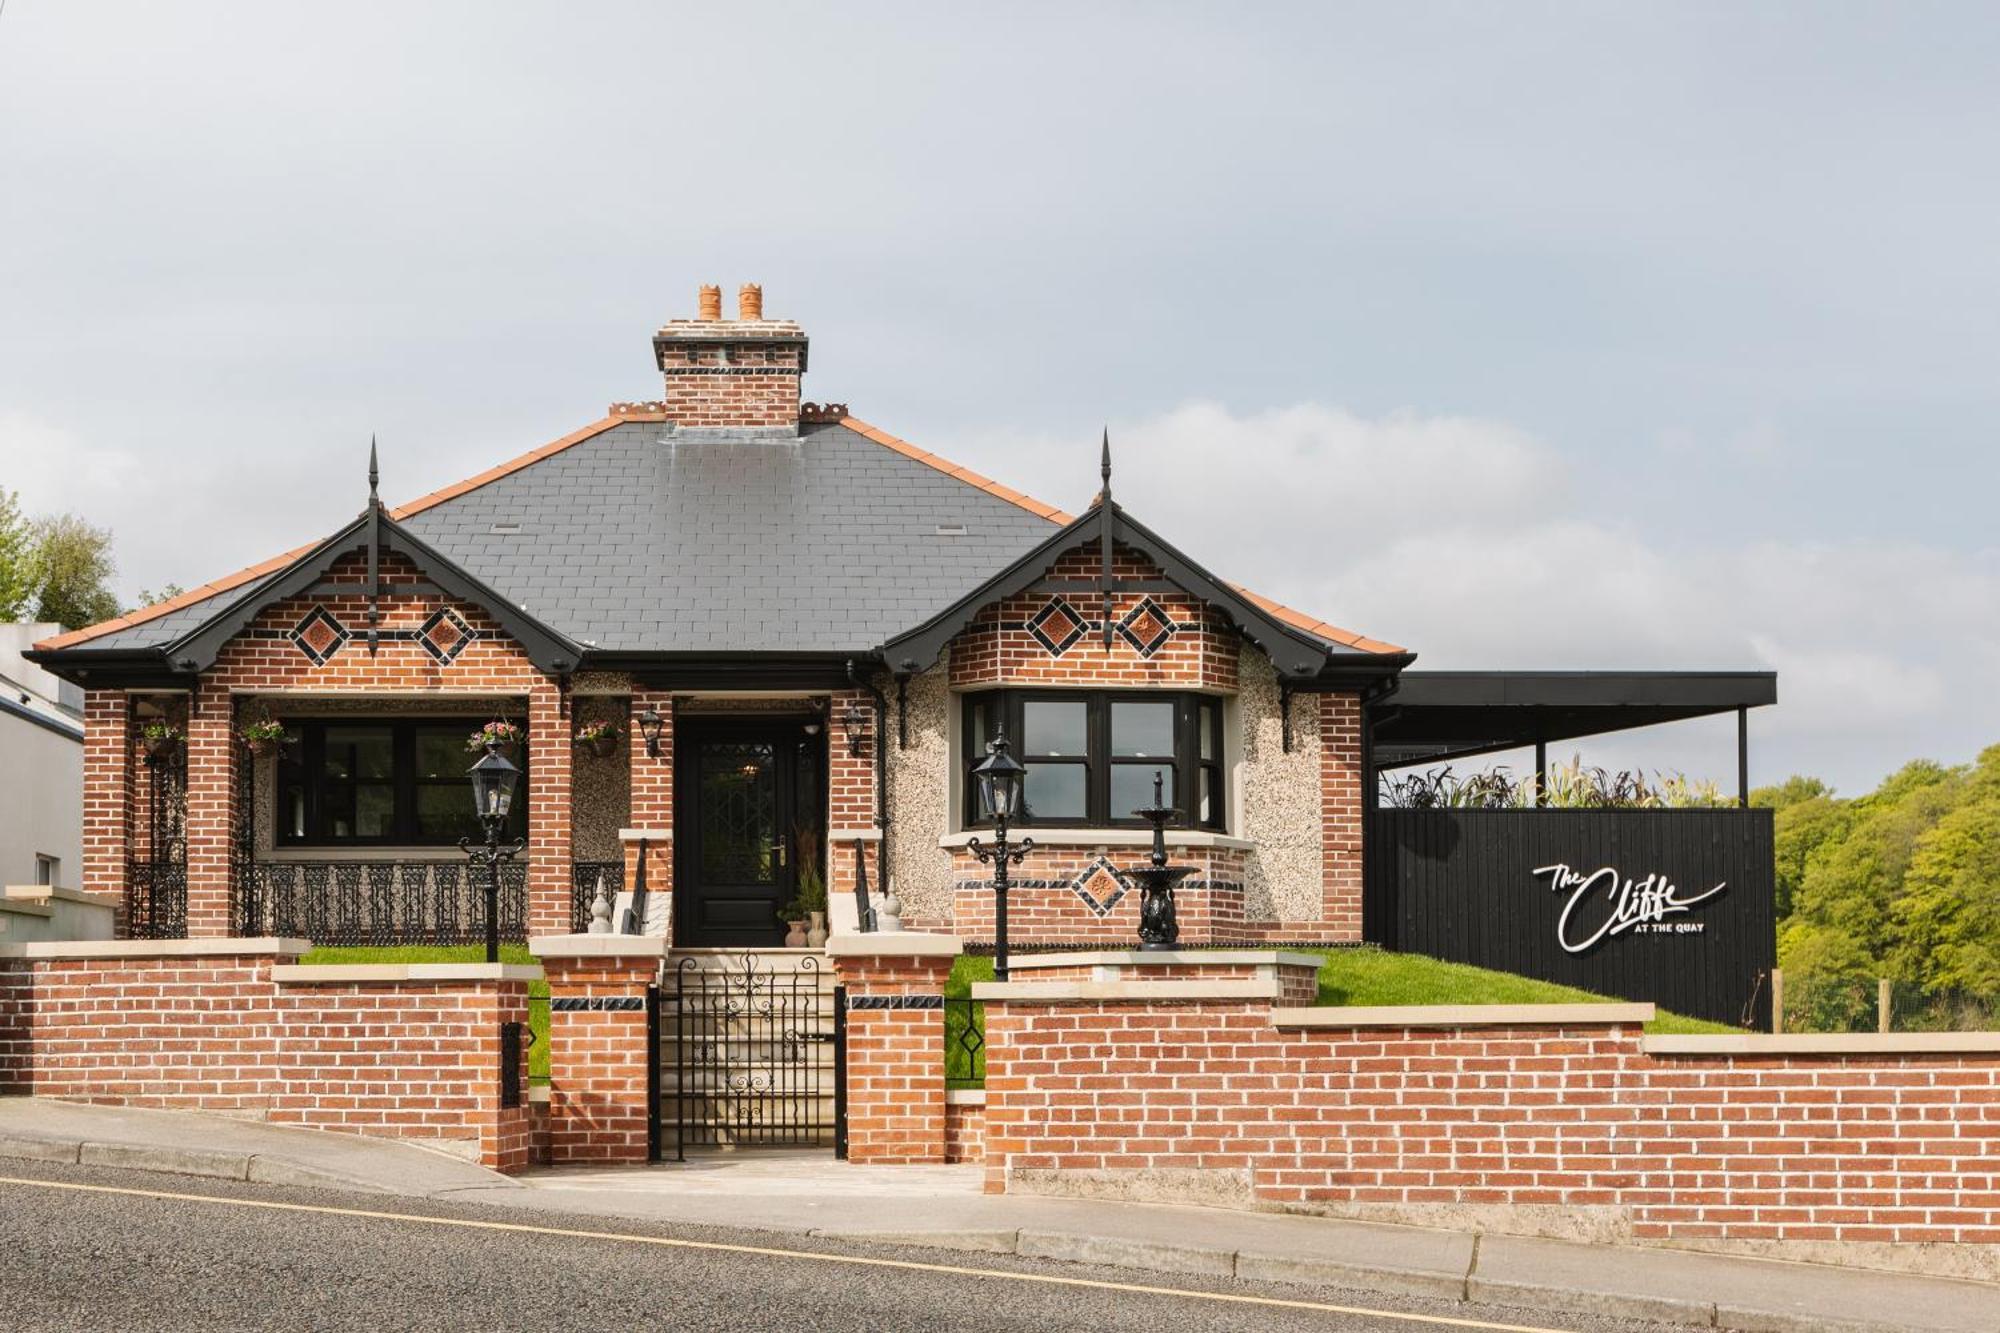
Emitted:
<point x="895" y="1043"/>
<point x="651" y="834"/>
<point x="213" y="753"/>
<point x="600" y="1054"/>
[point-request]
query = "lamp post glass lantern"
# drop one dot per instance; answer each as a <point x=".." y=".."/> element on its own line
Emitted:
<point x="493" y="781"/>
<point x="999" y="777"/>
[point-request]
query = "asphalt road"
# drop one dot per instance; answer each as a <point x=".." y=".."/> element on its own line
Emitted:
<point x="129" y="1256"/>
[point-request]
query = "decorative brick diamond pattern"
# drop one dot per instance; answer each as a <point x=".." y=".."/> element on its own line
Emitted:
<point x="1057" y="626"/>
<point x="1100" y="885"/>
<point x="319" y="636"/>
<point x="444" y="635"/>
<point x="1147" y="627"/>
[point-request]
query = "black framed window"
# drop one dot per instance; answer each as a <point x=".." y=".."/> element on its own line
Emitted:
<point x="1091" y="755"/>
<point x="359" y="782"/>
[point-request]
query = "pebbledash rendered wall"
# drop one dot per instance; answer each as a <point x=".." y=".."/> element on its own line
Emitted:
<point x="409" y="1051"/>
<point x="1204" y="1085"/>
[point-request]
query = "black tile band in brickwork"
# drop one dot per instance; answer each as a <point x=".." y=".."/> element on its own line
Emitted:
<point x="895" y="1002"/>
<point x="597" y="1004"/>
<point x="1076" y="885"/>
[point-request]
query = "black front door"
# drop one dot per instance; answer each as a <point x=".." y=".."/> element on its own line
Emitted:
<point x="744" y="810"/>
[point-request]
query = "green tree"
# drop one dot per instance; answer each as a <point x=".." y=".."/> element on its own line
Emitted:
<point x="17" y="559"/>
<point x="1947" y="913"/>
<point x="73" y="572"/>
<point x="1808" y="816"/>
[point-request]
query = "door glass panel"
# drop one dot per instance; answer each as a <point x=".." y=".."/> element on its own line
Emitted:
<point x="738" y="812"/>
<point x="1142" y="730"/>
<point x="1055" y="727"/>
<point x="1055" y="791"/>
<point x="1132" y="788"/>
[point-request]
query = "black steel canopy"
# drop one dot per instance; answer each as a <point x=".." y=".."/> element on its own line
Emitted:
<point x="1434" y="716"/>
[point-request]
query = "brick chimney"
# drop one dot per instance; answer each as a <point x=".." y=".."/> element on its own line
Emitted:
<point x="732" y="373"/>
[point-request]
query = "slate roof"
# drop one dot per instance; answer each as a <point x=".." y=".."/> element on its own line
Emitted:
<point x="627" y="536"/>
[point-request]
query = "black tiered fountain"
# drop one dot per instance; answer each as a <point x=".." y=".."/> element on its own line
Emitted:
<point x="1158" y="930"/>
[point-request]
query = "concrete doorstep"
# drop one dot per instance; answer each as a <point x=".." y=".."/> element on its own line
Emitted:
<point x="943" y="1208"/>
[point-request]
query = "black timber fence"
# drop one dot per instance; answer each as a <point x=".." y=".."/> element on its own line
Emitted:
<point x="1672" y="906"/>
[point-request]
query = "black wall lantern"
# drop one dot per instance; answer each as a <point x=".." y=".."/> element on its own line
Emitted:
<point x="854" y="721"/>
<point x="493" y="780"/>
<point x="651" y="724"/>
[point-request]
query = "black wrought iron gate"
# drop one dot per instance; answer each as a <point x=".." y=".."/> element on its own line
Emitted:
<point x="748" y="1053"/>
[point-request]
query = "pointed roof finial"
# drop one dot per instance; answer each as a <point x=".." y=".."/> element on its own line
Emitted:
<point x="374" y="474"/>
<point x="1104" y="469"/>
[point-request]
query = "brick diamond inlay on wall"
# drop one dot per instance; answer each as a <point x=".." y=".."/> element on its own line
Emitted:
<point x="1100" y="884"/>
<point x="1147" y="627"/>
<point x="319" y="636"/>
<point x="444" y="635"/>
<point x="1057" y="626"/>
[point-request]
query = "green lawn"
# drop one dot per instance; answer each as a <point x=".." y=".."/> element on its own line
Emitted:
<point x="538" y="991"/>
<point x="1374" y="977"/>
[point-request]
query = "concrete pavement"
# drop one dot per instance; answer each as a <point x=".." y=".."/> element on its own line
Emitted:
<point x="943" y="1207"/>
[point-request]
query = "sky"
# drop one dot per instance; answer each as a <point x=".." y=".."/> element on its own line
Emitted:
<point x="1526" y="336"/>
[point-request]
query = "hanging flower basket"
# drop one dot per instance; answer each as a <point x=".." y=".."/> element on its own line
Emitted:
<point x="599" y="738"/>
<point x="263" y="736"/>
<point x="160" y="740"/>
<point x="502" y="736"/>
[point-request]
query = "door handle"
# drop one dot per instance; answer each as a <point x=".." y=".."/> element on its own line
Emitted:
<point x="778" y="853"/>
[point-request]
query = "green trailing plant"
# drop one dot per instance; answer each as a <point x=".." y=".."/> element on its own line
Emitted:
<point x="600" y="729"/>
<point x="263" y="732"/>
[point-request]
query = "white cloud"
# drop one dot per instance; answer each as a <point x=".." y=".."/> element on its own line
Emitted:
<point x="1476" y="545"/>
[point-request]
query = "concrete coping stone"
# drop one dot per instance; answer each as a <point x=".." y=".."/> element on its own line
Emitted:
<point x="645" y="835"/>
<point x="47" y="893"/>
<point x="894" y="944"/>
<point x="599" y="946"/>
<point x="1110" y="837"/>
<point x="836" y="837"/>
<point x="1825" y="1043"/>
<point x="540" y="1094"/>
<point x="965" y="1096"/>
<point x="1172" y="958"/>
<point x="225" y="947"/>
<point x="1138" y="992"/>
<point x="294" y="974"/>
<point x="1461" y="1015"/>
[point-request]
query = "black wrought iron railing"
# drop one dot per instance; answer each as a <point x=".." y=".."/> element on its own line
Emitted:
<point x="156" y="900"/>
<point x="378" y="902"/>
<point x="964" y="1042"/>
<point x="587" y="879"/>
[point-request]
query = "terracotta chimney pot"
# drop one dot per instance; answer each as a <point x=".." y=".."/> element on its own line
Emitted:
<point x="711" y="303"/>
<point x="750" y="301"/>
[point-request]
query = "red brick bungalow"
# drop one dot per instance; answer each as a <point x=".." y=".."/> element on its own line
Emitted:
<point x="803" y="631"/>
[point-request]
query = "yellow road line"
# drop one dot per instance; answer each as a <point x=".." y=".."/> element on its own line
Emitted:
<point x="817" y="1256"/>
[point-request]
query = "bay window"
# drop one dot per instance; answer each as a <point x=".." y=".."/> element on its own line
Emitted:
<point x="1091" y="755"/>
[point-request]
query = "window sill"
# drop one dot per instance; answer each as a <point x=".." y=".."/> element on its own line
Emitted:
<point x="1105" y="837"/>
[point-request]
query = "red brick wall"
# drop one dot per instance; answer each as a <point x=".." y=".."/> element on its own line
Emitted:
<point x="1787" y="1148"/>
<point x="964" y="1133"/>
<point x="997" y="649"/>
<point x="107" y="789"/>
<point x="652" y="797"/>
<point x="851" y="791"/>
<point x="1340" y="779"/>
<point x="417" y="1059"/>
<point x="598" y="1059"/>
<point x="1044" y="908"/>
<point x="895" y="1058"/>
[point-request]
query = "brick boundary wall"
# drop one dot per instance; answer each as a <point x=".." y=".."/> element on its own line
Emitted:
<point x="965" y="1127"/>
<point x="895" y="1044"/>
<point x="1554" y="1120"/>
<point x="600" y="1055"/>
<point x="229" y="1026"/>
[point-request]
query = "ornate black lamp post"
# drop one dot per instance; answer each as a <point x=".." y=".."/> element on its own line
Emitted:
<point x="999" y="777"/>
<point x="493" y="780"/>
<point x="1158" y="930"/>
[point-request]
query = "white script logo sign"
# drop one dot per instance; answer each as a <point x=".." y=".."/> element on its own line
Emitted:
<point x="1637" y="906"/>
